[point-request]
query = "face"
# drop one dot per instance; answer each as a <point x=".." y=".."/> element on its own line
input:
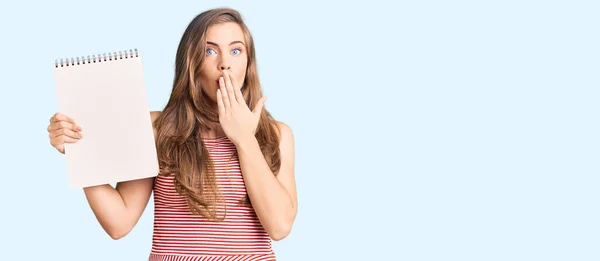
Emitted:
<point x="225" y="50"/>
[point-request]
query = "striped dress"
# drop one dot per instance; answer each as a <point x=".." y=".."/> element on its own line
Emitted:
<point x="181" y="236"/>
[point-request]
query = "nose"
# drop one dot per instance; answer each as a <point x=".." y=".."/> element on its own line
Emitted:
<point x="224" y="65"/>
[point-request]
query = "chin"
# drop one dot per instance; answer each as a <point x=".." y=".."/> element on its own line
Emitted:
<point x="212" y="97"/>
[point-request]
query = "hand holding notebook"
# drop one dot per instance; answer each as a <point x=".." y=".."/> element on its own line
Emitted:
<point x="62" y="129"/>
<point x="106" y="97"/>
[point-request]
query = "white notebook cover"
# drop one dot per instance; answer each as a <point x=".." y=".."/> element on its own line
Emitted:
<point x="106" y="96"/>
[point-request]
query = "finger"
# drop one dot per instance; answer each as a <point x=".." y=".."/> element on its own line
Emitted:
<point x="237" y="91"/>
<point x="63" y="124"/>
<point x="220" y="104"/>
<point x="58" y="146"/>
<point x="59" y="143"/>
<point x="63" y="139"/>
<point x="225" y="97"/>
<point x="259" y="106"/>
<point x="61" y="117"/>
<point x="229" y="87"/>
<point x="67" y="132"/>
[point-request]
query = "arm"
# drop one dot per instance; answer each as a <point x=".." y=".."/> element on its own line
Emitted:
<point x="273" y="198"/>
<point x="119" y="209"/>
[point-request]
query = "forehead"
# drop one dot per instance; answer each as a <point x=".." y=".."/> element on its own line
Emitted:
<point x="224" y="33"/>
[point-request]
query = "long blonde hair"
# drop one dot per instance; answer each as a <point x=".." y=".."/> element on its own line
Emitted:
<point x="180" y="147"/>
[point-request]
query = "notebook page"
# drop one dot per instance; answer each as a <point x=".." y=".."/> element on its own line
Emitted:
<point x="108" y="100"/>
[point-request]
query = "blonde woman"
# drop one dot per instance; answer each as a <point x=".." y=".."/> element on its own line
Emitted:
<point x="226" y="186"/>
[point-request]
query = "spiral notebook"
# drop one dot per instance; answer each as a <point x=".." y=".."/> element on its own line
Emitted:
<point x="105" y="95"/>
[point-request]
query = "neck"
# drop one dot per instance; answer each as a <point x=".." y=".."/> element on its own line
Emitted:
<point x="214" y="131"/>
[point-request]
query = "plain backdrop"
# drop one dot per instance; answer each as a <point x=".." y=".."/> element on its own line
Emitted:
<point x="424" y="130"/>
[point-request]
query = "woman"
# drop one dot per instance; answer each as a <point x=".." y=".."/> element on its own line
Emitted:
<point x="226" y="185"/>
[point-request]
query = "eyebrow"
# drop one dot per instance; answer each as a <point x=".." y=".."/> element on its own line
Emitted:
<point x="234" y="42"/>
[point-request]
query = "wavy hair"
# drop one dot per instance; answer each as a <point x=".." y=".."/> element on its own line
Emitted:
<point x="180" y="147"/>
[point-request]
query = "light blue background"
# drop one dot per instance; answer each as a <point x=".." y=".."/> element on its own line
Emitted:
<point x="425" y="130"/>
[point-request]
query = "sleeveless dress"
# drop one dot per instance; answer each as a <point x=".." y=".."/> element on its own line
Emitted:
<point x="180" y="235"/>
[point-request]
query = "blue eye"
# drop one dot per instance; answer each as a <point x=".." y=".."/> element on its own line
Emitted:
<point x="238" y="51"/>
<point x="208" y="51"/>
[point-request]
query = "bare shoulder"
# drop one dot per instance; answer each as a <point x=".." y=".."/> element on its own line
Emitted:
<point x="154" y="115"/>
<point x="286" y="136"/>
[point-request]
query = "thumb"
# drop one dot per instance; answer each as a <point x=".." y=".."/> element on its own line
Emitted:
<point x="259" y="106"/>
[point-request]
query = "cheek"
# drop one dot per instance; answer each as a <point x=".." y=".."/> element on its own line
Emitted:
<point x="241" y="76"/>
<point x="209" y="87"/>
<point x="210" y="92"/>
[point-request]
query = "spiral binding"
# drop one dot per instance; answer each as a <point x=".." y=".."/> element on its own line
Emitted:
<point x="126" y="54"/>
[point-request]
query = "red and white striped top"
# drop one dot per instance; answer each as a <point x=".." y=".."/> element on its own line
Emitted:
<point x="180" y="235"/>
